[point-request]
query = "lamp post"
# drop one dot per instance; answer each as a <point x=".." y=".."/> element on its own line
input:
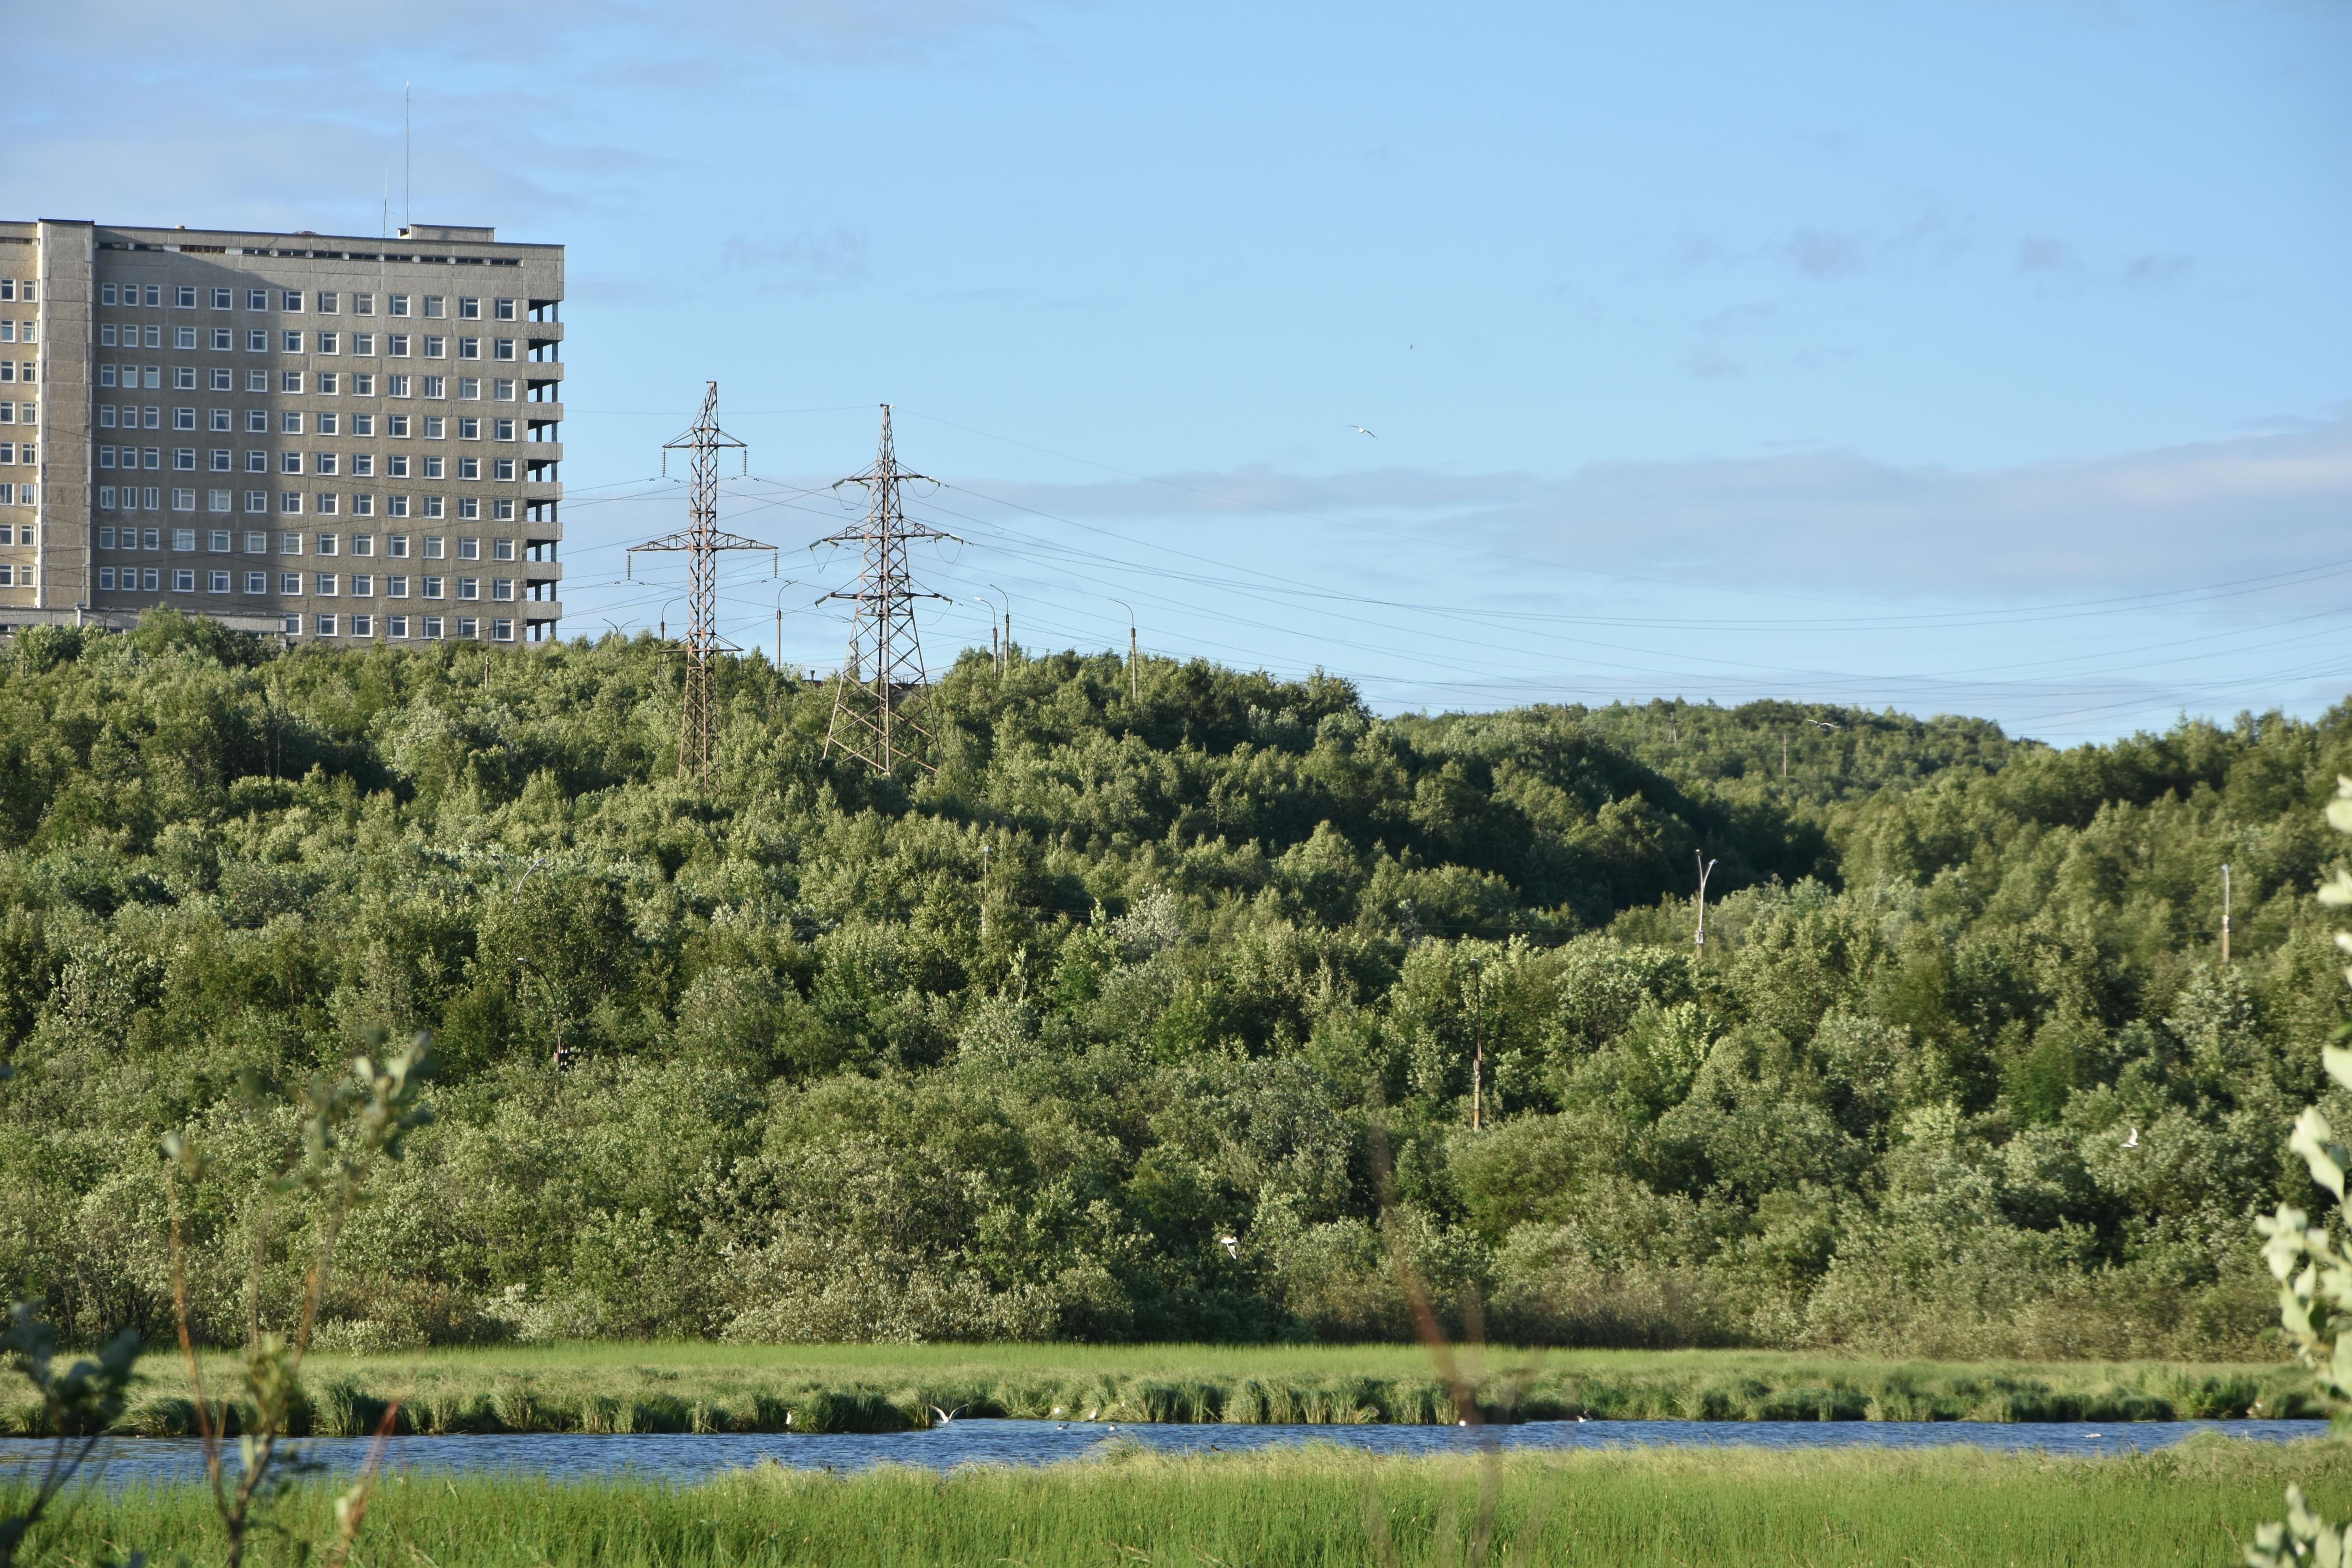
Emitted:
<point x="1477" y="1043"/>
<point x="1698" y="941"/>
<point x="2225" y="914"/>
<point x="787" y="582"/>
<point x="1008" y="630"/>
<point x="1134" y="660"/>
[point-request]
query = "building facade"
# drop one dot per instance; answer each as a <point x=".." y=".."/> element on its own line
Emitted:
<point x="340" y="439"/>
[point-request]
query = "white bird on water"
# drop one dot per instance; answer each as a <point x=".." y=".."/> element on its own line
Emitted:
<point x="1361" y="431"/>
<point x="2132" y="1141"/>
<point x="947" y="1418"/>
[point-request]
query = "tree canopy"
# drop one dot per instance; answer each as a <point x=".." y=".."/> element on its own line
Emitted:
<point x="1005" y="1050"/>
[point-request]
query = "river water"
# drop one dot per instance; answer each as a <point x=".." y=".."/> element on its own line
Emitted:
<point x="680" y="1458"/>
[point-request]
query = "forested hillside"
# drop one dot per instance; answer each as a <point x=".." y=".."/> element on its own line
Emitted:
<point x="1005" y="1051"/>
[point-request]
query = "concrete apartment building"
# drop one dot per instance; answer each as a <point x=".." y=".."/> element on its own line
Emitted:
<point x="321" y="437"/>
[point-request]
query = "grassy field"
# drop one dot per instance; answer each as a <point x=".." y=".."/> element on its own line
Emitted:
<point x="706" y="1387"/>
<point x="2196" y="1504"/>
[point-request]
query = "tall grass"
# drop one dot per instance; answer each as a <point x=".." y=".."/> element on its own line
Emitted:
<point x="2195" y="1504"/>
<point x="677" y="1388"/>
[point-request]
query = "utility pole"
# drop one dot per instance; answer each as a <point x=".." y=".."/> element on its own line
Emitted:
<point x="2225" y="914"/>
<point x="883" y="675"/>
<point x="701" y="541"/>
<point x="1705" y="866"/>
<point x="1784" y="756"/>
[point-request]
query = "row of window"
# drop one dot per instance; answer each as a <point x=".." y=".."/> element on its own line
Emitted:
<point x="290" y="503"/>
<point x="218" y="541"/>
<point x="9" y="331"/>
<point x="323" y="584"/>
<point x="259" y="340"/>
<point x="327" y="301"/>
<point x="324" y="383"/>
<point x="25" y="495"/>
<point x="22" y="290"/>
<point x="465" y="627"/>
<point x="222" y="461"/>
<point x="327" y="422"/>
<point x="24" y="370"/>
<point x="9" y="412"/>
<point x="8" y="450"/>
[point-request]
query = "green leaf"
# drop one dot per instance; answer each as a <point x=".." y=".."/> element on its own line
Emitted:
<point x="2315" y="1139"/>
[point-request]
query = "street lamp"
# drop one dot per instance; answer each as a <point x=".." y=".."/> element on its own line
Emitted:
<point x="1699" y="941"/>
<point x="1134" y="660"/>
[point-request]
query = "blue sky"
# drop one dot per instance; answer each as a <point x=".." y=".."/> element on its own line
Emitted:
<point x="1992" y="357"/>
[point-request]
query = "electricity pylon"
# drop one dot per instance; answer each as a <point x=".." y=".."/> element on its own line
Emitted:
<point x="882" y="678"/>
<point x="701" y="541"/>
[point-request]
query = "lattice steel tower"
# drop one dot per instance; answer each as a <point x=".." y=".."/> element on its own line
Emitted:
<point x="701" y="541"/>
<point x="882" y="676"/>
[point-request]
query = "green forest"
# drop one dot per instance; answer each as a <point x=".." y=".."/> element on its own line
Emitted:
<point x="1008" y="1050"/>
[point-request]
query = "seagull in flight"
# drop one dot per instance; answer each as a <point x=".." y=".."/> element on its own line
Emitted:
<point x="2132" y="1141"/>
<point x="1361" y="431"/>
<point x="1824" y="723"/>
<point x="1232" y="1244"/>
<point x="947" y="1418"/>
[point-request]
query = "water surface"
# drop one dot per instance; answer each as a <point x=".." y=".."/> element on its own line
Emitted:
<point x="683" y="1458"/>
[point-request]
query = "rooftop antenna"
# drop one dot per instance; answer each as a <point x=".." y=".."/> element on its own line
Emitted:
<point x="883" y="673"/>
<point x="407" y="153"/>
<point x="701" y="541"/>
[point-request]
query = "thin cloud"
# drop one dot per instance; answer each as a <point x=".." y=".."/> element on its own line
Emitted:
<point x="2039" y="253"/>
<point x="1826" y="253"/>
<point x="2153" y="272"/>
<point x="804" y="263"/>
<point x="2143" y="520"/>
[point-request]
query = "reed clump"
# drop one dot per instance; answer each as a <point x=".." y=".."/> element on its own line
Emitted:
<point x="623" y="1389"/>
